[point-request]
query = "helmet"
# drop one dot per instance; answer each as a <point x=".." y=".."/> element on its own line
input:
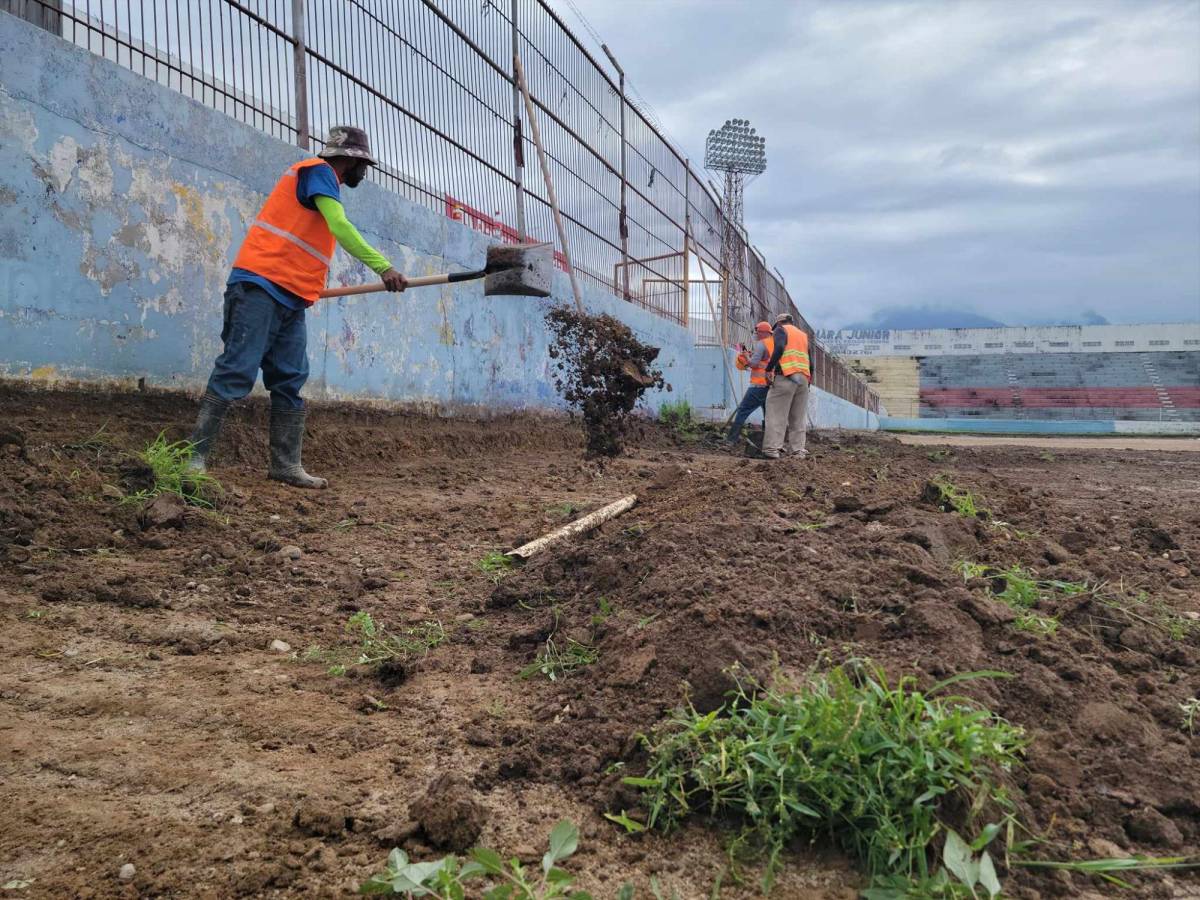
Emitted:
<point x="346" y="140"/>
<point x="762" y="328"/>
<point x="783" y="317"/>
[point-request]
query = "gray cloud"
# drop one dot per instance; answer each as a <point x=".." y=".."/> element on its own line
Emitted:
<point x="1022" y="159"/>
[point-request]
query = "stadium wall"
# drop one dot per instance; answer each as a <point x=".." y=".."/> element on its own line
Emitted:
<point x="1034" y="426"/>
<point x="128" y="202"/>
<point x="1180" y="336"/>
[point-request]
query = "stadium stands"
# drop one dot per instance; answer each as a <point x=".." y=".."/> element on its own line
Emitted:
<point x="1154" y="386"/>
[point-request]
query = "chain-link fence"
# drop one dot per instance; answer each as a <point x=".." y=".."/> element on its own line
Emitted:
<point x="431" y="82"/>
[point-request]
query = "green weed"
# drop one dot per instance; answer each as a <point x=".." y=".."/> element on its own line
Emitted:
<point x="555" y="662"/>
<point x="1043" y="626"/>
<point x="445" y="879"/>
<point x="495" y="566"/>
<point x="870" y="765"/>
<point x="1104" y="868"/>
<point x="169" y="462"/>
<point x="1141" y="607"/>
<point x="604" y="611"/>
<point x="564" y="510"/>
<point x="680" y="418"/>
<point x="940" y="455"/>
<point x="377" y="645"/>
<point x="1190" y="709"/>
<point x="952" y="498"/>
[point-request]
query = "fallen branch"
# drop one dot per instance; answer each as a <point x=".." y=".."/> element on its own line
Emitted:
<point x="587" y="523"/>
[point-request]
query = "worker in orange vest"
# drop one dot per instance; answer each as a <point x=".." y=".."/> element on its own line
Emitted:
<point x="755" y="361"/>
<point x="279" y="272"/>
<point x="789" y="374"/>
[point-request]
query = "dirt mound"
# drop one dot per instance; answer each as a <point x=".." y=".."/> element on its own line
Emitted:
<point x="771" y="565"/>
<point x="449" y="814"/>
<point x="602" y="372"/>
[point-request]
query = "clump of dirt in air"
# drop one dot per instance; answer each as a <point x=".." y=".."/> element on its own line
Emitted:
<point x="602" y="372"/>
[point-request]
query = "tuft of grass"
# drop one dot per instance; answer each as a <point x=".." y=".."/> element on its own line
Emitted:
<point x="869" y="764"/>
<point x="377" y="645"/>
<point x="557" y="662"/>
<point x="445" y="879"/>
<point x="169" y="462"/>
<point x="495" y="566"/>
<point x="1141" y="607"/>
<point x="564" y="510"/>
<point x="680" y="418"/>
<point x="940" y="455"/>
<point x="952" y="498"/>
<point x="1104" y="868"/>
<point x="1023" y="591"/>
<point x="1190" y="709"/>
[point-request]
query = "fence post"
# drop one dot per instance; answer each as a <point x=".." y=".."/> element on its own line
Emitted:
<point x="622" y="221"/>
<point x="300" y="70"/>
<point x="687" y="231"/>
<point x="518" y="137"/>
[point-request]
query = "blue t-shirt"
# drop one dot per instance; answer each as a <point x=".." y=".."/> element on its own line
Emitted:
<point x="313" y="181"/>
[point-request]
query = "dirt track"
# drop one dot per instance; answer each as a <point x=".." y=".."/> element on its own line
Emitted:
<point x="146" y="721"/>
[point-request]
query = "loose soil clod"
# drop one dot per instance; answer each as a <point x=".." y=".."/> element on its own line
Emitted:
<point x="603" y="371"/>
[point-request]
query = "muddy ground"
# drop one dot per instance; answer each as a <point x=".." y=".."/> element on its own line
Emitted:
<point x="147" y="721"/>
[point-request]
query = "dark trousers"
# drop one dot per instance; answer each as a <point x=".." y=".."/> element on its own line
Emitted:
<point x="260" y="333"/>
<point x="756" y="398"/>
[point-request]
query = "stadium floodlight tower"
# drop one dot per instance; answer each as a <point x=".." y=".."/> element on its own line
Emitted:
<point x="738" y="152"/>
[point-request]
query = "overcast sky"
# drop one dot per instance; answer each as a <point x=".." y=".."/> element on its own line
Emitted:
<point x="1028" y="160"/>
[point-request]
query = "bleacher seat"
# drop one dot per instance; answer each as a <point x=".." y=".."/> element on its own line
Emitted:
<point x="1162" y="386"/>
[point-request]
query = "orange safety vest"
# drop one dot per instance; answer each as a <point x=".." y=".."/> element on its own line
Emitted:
<point x="758" y="374"/>
<point x="287" y="243"/>
<point x="795" y="353"/>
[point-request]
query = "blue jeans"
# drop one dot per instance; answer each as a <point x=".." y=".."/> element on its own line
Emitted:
<point x="756" y="398"/>
<point x="261" y="334"/>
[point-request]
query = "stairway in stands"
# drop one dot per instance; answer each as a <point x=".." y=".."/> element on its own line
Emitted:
<point x="1010" y="373"/>
<point x="1170" y="413"/>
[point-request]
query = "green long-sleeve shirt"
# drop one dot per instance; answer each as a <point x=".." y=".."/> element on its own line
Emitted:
<point x="347" y="235"/>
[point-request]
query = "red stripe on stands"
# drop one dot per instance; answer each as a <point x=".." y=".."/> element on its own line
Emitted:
<point x="1183" y="397"/>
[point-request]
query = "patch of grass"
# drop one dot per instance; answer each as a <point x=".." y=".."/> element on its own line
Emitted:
<point x="952" y="498"/>
<point x="377" y="645"/>
<point x="564" y="510"/>
<point x="557" y="662"/>
<point x="169" y="462"/>
<point x="1141" y="607"/>
<point x="680" y="418"/>
<point x="1047" y="456"/>
<point x="940" y="455"/>
<point x="1043" y="626"/>
<point x="870" y="765"/>
<point x="604" y="611"/>
<point x="445" y="879"/>
<point x="1023" y="591"/>
<point x="1190" y="709"/>
<point x="495" y="566"/>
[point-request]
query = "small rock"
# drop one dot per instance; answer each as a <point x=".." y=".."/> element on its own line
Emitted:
<point x="1150" y="826"/>
<point x="164" y="511"/>
<point x="1055" y="553"/>
<point x="464" y="617"/>
<point x="278" y="646"/>
<point x="127" y="872"/>
<point x="291" y="551"/>
<point x="112" y="492"/>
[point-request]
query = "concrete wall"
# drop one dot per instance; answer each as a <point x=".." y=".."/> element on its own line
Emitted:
<point x="1036" y="426"/>
<point x="895" y="379"/>
<point x="1032" y="339"/>
<point x="125" y="204"/>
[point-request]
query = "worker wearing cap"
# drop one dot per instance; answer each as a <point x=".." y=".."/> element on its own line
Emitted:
<point x="279" y="272"/>
<point x="789" y="373"/>
<point x="755" y="361"/>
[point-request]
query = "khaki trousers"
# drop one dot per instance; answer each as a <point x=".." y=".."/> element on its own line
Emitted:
<point x="787" y="422"/>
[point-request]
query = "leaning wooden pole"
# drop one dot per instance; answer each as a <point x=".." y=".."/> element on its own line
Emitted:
<point x="519" y="71"/>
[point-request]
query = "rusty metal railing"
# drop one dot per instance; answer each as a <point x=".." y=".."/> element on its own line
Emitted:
<point x="432" y="84"/>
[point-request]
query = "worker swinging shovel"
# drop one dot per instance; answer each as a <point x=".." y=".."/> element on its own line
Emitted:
<point x="280" y="271"/>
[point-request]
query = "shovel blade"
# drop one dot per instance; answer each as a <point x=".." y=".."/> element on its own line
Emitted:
<point x="519" y="270"/>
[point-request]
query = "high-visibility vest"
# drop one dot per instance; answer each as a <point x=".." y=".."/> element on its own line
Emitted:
<point x="795" y="353"/>
<point x="758" y="373"/>
<point x="287" y="243"/>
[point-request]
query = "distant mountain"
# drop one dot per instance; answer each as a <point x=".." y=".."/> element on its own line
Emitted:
<point x="906" y="317"/>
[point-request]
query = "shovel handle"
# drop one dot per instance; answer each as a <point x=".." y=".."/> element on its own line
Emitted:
<point x="422" y="281"/>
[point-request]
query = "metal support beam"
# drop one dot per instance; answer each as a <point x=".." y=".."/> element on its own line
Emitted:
<point x="622" y="221"/>
<point x="518" y="137"/>
<point x="300" y="71"/>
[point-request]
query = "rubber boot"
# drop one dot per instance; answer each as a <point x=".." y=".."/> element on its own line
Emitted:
<point x="287" y="444"/>
<point x="208" y="426"/>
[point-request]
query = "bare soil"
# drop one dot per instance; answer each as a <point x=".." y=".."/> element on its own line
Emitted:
<point x="146" y="719"/>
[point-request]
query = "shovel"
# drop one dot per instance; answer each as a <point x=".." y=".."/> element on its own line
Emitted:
<point x="518" y="270"/>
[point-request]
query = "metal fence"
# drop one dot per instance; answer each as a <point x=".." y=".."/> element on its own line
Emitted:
<point x="431" y="81"/>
